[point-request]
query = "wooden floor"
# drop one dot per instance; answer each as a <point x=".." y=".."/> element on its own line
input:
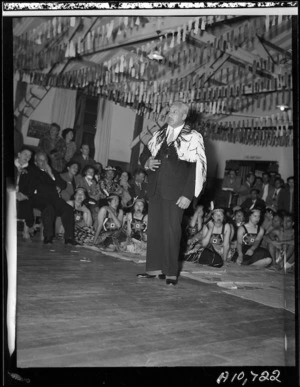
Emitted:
<point x="85" y="309"/>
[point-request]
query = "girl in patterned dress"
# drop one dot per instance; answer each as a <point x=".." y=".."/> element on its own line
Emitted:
<point x="110" y="220"/>
<point x="249" y="237"/>
<point x="135" y="226"/>
<point x="83" y="231"/>
<point x="215" y="240"/>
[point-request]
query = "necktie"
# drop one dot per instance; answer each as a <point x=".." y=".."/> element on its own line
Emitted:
<point x="170" y="136"/>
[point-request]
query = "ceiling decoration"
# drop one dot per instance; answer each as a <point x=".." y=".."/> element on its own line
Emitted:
<point x="222" y="66"/>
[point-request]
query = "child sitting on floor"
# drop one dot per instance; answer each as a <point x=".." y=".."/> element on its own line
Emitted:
<point x="271" y="239"/>
<point x="285" y="247"/>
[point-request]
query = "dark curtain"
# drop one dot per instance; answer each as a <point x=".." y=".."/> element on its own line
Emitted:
<point x="78" y="123"/>
<point x="135" y="151"/>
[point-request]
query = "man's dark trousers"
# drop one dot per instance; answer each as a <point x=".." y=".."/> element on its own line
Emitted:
<point x="52" y="208"/>
<point x="164" y="233"/>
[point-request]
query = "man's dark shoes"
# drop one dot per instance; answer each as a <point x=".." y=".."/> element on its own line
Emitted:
<point x="145" y="275"/>
<point x="170" y="281"/>
<point x="71" y="242"/>
<point x="48" y="241"/>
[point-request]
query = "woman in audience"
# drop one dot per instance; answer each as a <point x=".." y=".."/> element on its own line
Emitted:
<point x="83" y="232"/>
<point x="68" y="135"/>
<point x="249" y="237"/>
<point x="110" y="220"/>
<point x="268" y="218"/>
<point x="88" y="182"/>
<point x="125" y="196"/>
<point x="55" y="147"/>
<point x="271" y="239"/>
<point x="72" y="168"/>
<point x="135" y="224"/>
<point x="194" y="234"/>
<point x="237" y="221"/>
<point x="108" y="185"/>
<point x="215" y="240"/>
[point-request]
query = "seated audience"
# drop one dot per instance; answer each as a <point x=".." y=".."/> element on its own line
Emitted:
<point x="72" y="168"/>
<point x="272" y="237"/>
<point x="253" y="201"/>
<point x="44" y="192"/>
<point x="24" y="205"/>
<point x="83" y="232"/>
<point x="215" y="240"/>
<point x="107" y="185"/>
<point x="84" y="158"/>
<point x="286" y="196"/>
<point x="267" y="190"/>
<point x="278" y="184"/>
<point x="237" y="221"/>
<point x="268" y="218"/>
<point x="258" y="184"/>
<point x="124" y="184"/>
<point x="98" y="171"/>
<point x="135" y="224"/>
<point x="249" y="237"/>
<point x="68" y="135"/>
<point x="244" y="190"/>
<point x="194" y="234"/>
<point x="55" y="147"/>
<point x="230" y="186"/>
<point x="138" y="187"/>
<point x="287" y="241"/>
<point x="110" y="220"/>
<point x="88" y="182"/>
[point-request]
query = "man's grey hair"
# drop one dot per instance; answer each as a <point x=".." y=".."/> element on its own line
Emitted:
<point x="183" y="106"/>
<point x="39" y="153"/>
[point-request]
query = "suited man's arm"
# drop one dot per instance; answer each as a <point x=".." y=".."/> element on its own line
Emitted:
<point x="144" y="156"/>
<point x="189" y="187"/>
<point x="62" y="184"/>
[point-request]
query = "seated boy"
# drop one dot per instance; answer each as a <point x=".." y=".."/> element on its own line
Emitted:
<point x="271" y="239"/>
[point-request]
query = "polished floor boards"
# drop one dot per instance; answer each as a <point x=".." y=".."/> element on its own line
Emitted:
<point x="79" y="308"/>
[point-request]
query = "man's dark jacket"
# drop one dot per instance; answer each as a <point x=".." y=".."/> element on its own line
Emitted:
<point x="173" y="178"/>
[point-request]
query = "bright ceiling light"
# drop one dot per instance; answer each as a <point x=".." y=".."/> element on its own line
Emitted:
<point x="155" y="55"/>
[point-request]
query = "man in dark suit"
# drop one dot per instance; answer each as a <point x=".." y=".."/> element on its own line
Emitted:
<point x="84" y="159"/>
<point x="286" y="196"/>
<point x="176" y="164"/>
<point x="253" y="202"/>
<point x="44" y="193"/>
<point x="24" y="205"/>
<point x="138" y="188"/>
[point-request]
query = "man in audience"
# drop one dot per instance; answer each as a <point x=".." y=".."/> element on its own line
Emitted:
<point x="24" y="205"/>
<point x="44" y="193"/>
<point x="138" y="188"/>
<point x="286" y="196"/>
<point x="244" y="190"/>
<point x="278" y="184"/>
<point x="253" y="202"/>
<point x="84" y="159"/>
<point x="267" y="190"/>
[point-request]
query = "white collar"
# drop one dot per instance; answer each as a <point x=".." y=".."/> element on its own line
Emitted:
<point x="19" y="166"/>
<point x="176" y="131"/>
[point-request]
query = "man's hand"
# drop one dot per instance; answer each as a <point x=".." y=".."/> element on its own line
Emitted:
<point x="183" y="202"/>
<point x="152" y="164"/>
<point x="58" y="189"/>
<point x="21" y="197"/>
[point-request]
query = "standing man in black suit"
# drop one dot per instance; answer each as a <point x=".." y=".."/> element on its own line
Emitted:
<point x="176" y="164"/>
<point x="44" y="193"/>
